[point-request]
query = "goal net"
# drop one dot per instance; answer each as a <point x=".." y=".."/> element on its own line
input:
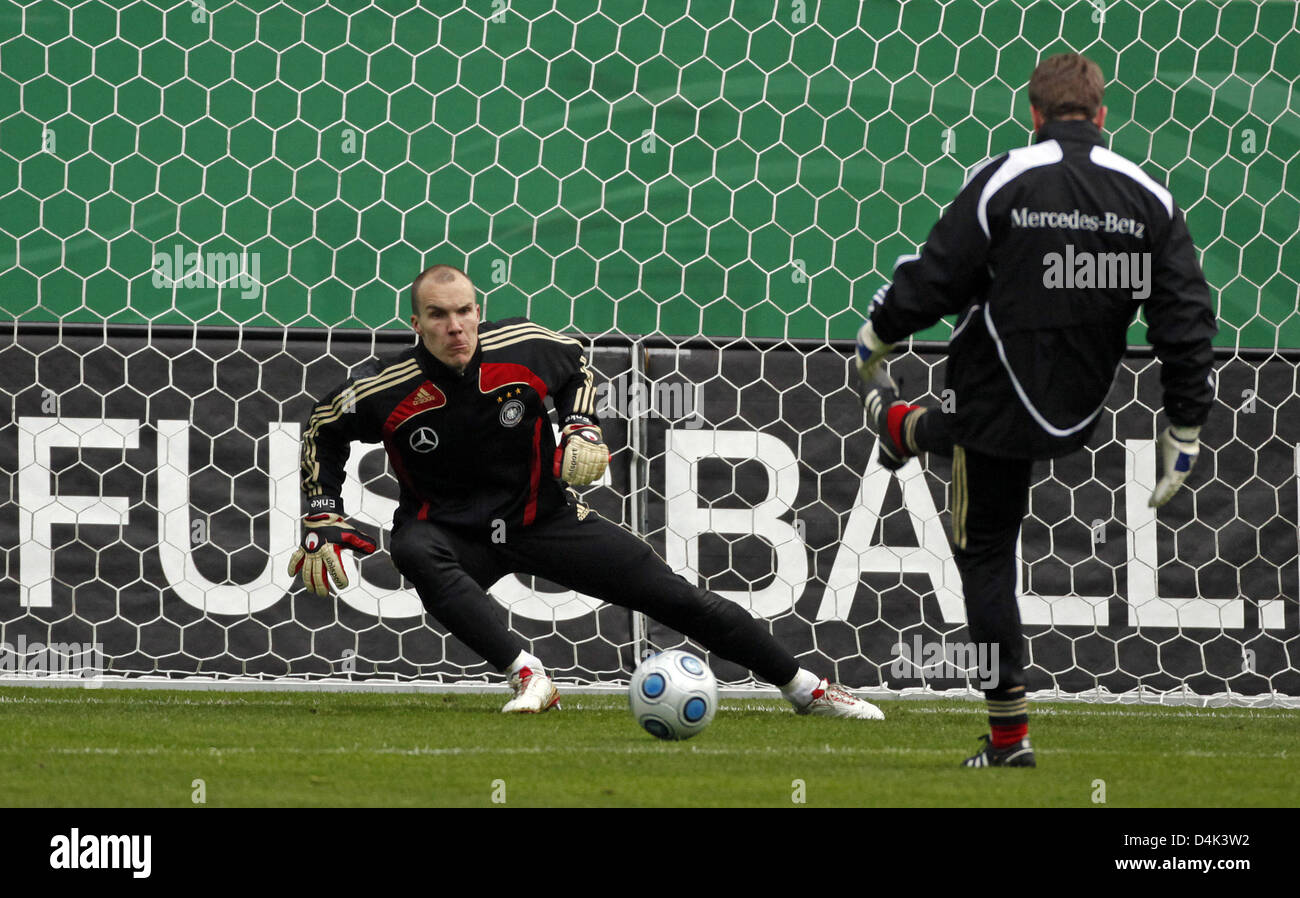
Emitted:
<point x="210" y="212"/>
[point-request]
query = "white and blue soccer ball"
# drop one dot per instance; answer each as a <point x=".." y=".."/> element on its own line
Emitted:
<point x="673" y="695"/>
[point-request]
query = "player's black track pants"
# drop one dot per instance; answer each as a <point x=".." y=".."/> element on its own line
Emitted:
<point x="452" y="569"/>
<point x="989" y="499"/>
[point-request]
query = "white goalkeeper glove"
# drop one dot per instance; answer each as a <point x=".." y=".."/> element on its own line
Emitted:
<point x="324" y="538"/>
<point x="871" y="351"/>
<point x="582" y="455"/>
<point x="1179" y="447"/>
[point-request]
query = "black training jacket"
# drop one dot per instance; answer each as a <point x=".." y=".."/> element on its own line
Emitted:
<point x="469" y="449"/>
<point x="1046" y="255"/>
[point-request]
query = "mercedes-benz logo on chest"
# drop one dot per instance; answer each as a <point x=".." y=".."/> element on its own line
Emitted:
<point x="424" y="439"/>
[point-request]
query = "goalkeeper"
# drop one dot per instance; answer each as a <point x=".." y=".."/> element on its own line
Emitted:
<point x="1045" y="256"/>
<point x="462" y="418"/>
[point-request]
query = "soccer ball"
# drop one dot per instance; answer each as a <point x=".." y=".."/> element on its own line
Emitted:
<point x="673" y="695"/>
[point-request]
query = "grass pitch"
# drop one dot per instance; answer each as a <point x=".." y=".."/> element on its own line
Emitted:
<point x="137" y="748"/>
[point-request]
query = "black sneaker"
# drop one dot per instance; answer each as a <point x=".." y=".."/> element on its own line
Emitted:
<point x="1019" y="755"/>
<point x="879" y="397"/>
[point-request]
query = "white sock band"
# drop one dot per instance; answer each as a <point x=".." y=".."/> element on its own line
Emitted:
<point x="532" y="662"/>
<point x="799" y="690"/>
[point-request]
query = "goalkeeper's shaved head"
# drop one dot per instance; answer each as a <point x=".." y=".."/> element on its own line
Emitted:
<point x="436" y="274"/>
<point x="445" y="313"/>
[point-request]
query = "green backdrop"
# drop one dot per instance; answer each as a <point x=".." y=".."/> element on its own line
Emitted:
<point x="679" y="167"/>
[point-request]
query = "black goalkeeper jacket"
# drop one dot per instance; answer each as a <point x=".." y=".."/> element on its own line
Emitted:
<point x="1046" y="255"/>
<point x="468" y="449"/>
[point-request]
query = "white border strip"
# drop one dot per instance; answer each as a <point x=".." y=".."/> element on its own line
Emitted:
<point x="1115" y="162"/>
<point x="1018" y="162"/>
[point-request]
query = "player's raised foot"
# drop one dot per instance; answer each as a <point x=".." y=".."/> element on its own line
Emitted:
<point x="887" y="415"/>
<point x="1019" y="755"/>
<point x="833" y="700"/>
<point x="534" y="693"/>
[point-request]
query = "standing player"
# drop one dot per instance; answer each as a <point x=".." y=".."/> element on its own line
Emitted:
<point x="1045" y="255"/>
<point x="462" y="418"/>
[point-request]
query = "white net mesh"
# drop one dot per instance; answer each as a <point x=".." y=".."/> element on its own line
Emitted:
<point x="732" y="176"/>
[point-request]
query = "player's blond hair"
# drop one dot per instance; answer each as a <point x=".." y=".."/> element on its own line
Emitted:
<point x="1065" y="85"/>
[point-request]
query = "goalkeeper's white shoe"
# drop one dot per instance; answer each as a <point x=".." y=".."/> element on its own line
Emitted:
<point x="833" y="700"/>
<point x="534" y="693"/>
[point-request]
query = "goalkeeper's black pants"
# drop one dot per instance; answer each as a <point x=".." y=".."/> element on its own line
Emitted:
<point x="578" y="549"/>
<point x="988" y="500"/>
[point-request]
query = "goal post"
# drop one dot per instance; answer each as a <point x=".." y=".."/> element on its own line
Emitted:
<point x="210" y="212"/>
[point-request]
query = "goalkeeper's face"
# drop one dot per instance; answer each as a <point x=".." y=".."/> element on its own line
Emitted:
<point x="448" y="321"/>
